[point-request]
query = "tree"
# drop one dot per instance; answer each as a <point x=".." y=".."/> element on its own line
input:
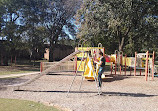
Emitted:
<point x="34" y="22"/>
<point x="34" y="35"/>
<point x="59" y="14"/>
<point x="10" y="30"/>
<point x="126" y="24"/>
<point x="1" y="15"/>
<point x="53" y="16"/>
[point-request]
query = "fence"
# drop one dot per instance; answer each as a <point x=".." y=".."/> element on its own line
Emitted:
<point x="66" y="66"/>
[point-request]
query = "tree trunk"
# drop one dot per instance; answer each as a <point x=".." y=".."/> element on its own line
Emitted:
<point x="51" y="51"/>
<point x="15" y="60"/>
<point x="1" y="59"/>
<point x="11" y="60"/>
<point x="34" y="57"/>
<point x="5" y="62"/>
<point x="121" y="44"/>
<point x="122" y="36"/>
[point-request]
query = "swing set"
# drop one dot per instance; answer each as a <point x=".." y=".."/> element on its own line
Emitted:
<point x="84" y="63"/>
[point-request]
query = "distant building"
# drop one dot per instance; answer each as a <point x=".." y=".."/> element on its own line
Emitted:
<point x="60" y="51"/>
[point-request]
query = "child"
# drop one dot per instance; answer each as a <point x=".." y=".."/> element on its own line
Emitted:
<point x="101" y="64"/>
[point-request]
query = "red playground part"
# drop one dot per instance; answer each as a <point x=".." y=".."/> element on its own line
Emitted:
<point x="107" y="58"/>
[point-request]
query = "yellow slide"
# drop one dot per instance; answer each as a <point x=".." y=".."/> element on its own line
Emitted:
<point x="89" y="70"/>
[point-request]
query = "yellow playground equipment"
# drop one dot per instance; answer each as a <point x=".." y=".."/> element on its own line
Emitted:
<point x="141" y="61"/>
<point x="130" y="61"/>
<point x="87" y="66"/>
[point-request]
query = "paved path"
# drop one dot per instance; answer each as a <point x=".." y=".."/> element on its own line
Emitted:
<point x="19" y="75"/>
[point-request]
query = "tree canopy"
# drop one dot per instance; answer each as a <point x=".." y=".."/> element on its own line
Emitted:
<point x="125" y="25"/>
<point x="28" y="24"/>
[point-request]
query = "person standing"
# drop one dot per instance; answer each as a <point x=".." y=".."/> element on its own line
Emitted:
<point x="101" y="64"/>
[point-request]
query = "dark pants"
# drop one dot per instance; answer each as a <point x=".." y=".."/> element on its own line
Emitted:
<point x="100" y="72"/>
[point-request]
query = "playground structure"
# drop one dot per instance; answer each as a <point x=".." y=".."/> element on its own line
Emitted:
<point x="141" y="61"/>
<point x="88" y="65"/>
<point x="118" y="62"/>
<point x="82" y="60"/>
<point x="89" y="54"/>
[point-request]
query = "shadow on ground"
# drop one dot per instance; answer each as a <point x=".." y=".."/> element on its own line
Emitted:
<point x="11" y="81"/>
<point x="103" y="93"/>
<point x="126" y="94"/>
<point x="3" y="88"/>
<point x="67" y="73"/>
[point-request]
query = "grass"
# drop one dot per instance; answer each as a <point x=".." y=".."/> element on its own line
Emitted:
<point x="23" y="105"/>
<point x="22" y="66"/>
<point x="19" y="68"/>
<point x="27" y="62"/>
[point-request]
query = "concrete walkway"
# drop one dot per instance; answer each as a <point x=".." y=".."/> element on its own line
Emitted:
<point x="18" y="75"/>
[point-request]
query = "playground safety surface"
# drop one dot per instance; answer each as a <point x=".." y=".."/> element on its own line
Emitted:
<point x="120" y="93"/>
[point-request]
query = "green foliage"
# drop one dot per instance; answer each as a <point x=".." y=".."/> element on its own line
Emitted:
<point x="28" y="24"/>
<point x="10" y="30"/>
<point x="128" y="25"/>
<point x="59" y="15"/>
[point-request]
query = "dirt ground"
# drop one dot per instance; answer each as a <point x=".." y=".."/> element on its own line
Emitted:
<point x="119" y="93"/>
